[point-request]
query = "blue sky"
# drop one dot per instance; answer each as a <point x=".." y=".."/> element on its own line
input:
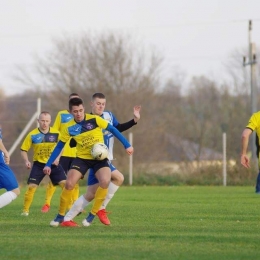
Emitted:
<point x="196" y="36"/>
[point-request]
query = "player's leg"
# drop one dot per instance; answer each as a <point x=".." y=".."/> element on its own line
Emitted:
<point x="28" y="198"/>
<point x="35" y="178"/>
<point x="83" y="201"/>
<point x="79" y="205"/>
<point x="65" y="162"/>
<point x="103" y="175"/>
<point x="257" y="187"/>
<point x="8" y="182"/>
<point x="50" y="189"/>
<point x="73" y="177"/>
<point x="75" y="195"/>
<point x="117" y="180"/>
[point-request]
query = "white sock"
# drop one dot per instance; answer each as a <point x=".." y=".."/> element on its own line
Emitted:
<point x="76" y="208"/>
<point x="112" y="188"/>
<point x="7" y="198"/>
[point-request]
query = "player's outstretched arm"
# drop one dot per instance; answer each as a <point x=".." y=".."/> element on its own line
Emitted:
<point x="137" y="115"/>
<point x="125" y="126"/>
<point x="121" y="138"/>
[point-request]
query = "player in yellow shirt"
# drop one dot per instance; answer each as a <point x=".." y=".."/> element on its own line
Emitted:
<point x="86" y="129"/>
<point x="253" y="125"/>
<point x="43" y="140"/>
<point x="68" y="154"/>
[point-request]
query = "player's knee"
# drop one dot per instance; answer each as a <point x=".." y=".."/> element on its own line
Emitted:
<point x="118" y="178"/>
<point x="104" y="183"/>
<point x="16" y="191"/>
<point x="69" y="185"/>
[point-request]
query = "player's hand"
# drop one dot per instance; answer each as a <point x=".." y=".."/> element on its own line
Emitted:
<point x="7" y="158"/>
<point x="245" y="161"/>
<point x="130" y="150"/>
<point x="56" y="162"/>
<point x="47" y="170"/>
<point x="28" y="165"/>
<point x="137" y="115"/>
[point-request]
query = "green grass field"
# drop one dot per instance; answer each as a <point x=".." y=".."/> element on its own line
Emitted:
<point x="147" y="223"/>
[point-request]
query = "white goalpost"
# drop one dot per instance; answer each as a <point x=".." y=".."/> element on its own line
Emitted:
<point x="23" y="133"/>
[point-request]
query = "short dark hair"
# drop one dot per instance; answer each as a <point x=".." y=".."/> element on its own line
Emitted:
<point x="75" y="102"/>
<point x="73" y="94"/>
<point x="98" y="95"/>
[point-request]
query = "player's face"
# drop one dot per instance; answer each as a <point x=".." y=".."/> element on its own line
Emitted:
<point x="44" y="122"/>
<point x="98" y="105"/>
<point x="78" y="113"/>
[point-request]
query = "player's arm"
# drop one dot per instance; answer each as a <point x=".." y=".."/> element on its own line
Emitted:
<point x="6" y="154"/>
<point x="125" y="126"/>
<point x="25" y="158"/>
<point x="55" y="153"/>
<point x="25" y="147"/>
<point x="121" y="138"/>
<point x="244" y="145"/>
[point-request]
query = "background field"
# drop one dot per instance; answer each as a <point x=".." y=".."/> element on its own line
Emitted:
<point x="147" y="223"/>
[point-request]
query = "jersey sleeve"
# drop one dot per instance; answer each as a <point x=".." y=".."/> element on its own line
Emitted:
<point x="102" y="123"/>
<point x="57" y="122"/>
<point x="254" y="121"/>
<point x="64" y="134"/>
<point x="27" y="143"/>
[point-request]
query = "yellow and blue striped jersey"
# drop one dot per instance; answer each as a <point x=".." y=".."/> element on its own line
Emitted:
<point x="42" y="144"/>
<point x="85" y="133"/>
<point x="61" y="119"/>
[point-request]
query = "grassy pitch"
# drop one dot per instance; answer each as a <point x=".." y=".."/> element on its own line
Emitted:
<point x="147" y="223"/>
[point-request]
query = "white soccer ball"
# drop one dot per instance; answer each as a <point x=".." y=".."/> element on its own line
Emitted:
<point x="99" y="151"/>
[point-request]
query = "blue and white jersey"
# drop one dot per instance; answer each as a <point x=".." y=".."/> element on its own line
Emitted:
<point x="108" y="137"/>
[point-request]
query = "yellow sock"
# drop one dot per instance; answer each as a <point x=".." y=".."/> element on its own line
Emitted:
<point x="62" y="184"/>
<point x="75" y="195"/>
<point x="50" y="189"/>
<point x="28" y="198"/>
<point x="65" y="200"/>
<point x="98" y="200"/>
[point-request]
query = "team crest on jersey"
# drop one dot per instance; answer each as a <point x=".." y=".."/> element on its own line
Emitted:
<point x="89" y="126"/>
<point x="51" y="138"/>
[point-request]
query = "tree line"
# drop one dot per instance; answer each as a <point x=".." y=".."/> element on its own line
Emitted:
<point x="196" y="113"/>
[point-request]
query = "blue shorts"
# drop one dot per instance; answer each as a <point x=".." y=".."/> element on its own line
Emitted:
<point x="36" y="175"/>
<point x="7" y="178"/>
<point x="91" y="175"/>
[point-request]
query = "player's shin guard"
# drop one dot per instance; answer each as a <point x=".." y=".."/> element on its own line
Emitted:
<point x="28" y="198"/>
<point x="98" y="200"/>
<point x="75" y="195"/>
<point x="65" y="200"/>
<point x="50" y="189"/>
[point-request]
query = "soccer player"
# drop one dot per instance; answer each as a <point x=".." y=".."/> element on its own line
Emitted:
<point x="68" y="154"/>
<point x="253" y="125"/>
<point x="98" y="104"/>
<point x="7" y="178"/>
<point x="43" y="140"/>
<point x="86" y="129"/>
